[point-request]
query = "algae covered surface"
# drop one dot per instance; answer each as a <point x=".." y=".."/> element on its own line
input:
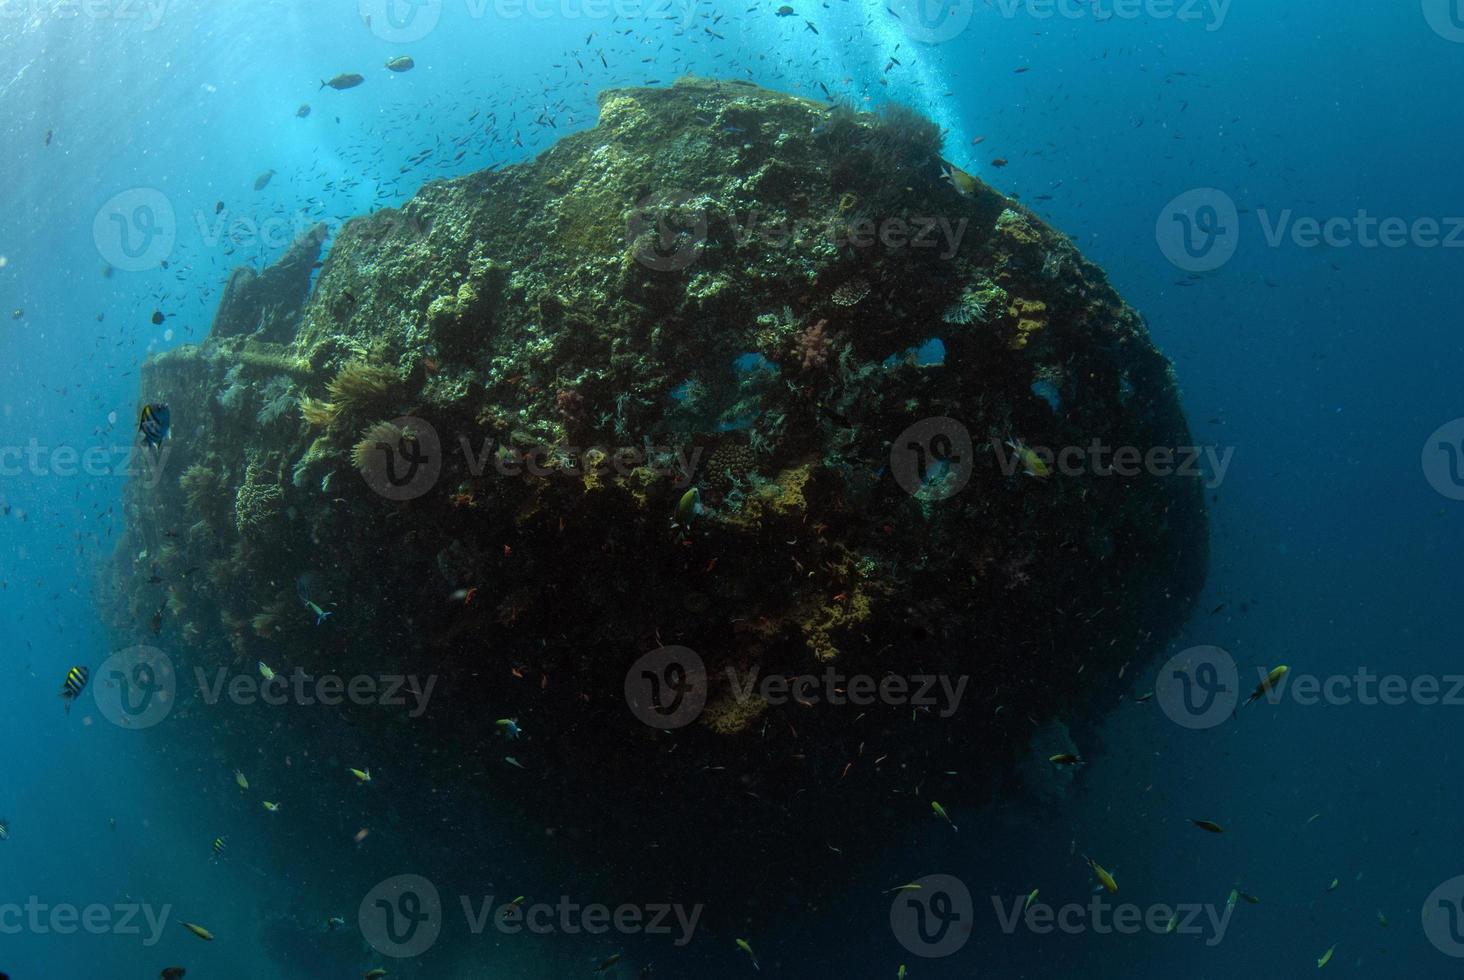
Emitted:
<point x="731" y="389"/>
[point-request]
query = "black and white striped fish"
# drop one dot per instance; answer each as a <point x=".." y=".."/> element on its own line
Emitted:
<point x="76" y="679"/>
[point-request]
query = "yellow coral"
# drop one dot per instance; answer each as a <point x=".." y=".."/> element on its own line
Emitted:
<point x="1031" y="316"/>
<point x="729" y="715"/>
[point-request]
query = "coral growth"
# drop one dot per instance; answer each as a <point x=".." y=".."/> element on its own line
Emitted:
<point x="815" y="346"/>
<point x="692" y="439"/>
<point x="359" y="387"/>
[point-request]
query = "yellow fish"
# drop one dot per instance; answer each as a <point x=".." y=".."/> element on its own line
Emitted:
<point x="1066" y="759"/>
<point x="271" y="807"/>
<point x="687" y="508"/>
<point x="1333" y="886"/>
<point x="1326" y="957"/>
<point x="1104" y="878"/>
<point x="199" y="931"/>
<point x="364" y="775"/>
<point x="1271" y="681"/>
<point x="239" y="778"/>
<point x="941" y="812"/>
<point x="900" y="973"/>
<point x="1173" y="923"/>
<point x="375" y="974"/>
<point x="1209" y="825"/>
<point x="904" y="888"/>
<point x="1382" y="919"/>
<point x="265" y="672"/>
<point x="1032" y="464"/>
<point x="1031" y="897"/>
<point x="742" y="944"/>
<point x="963" y="182"/>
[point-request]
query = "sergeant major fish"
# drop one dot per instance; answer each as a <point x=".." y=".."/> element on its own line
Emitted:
<point x="76" y="679"/>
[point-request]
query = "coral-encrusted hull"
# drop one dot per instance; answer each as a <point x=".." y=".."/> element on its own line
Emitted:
<point x="741" y="279"/>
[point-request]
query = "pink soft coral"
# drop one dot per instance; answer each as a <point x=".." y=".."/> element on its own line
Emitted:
<point x="815" y="346"/>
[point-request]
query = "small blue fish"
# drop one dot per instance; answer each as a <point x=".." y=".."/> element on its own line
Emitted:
<point x="320" y="614"/>
<point x="155" y="425"/>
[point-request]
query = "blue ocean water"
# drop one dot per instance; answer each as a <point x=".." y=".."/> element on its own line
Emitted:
<point x="1324" y="370"/>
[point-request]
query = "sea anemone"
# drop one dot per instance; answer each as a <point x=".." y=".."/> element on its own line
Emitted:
<point x="359" y="386"/>
<point x="197" y="482"/>
<point x="317" y="413"/>
<point x="387" y="434"/>
<point x="278" y="398"/>
<point x="970" y="308"/>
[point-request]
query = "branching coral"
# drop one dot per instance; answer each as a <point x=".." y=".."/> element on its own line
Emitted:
<point x="256" y="504"/>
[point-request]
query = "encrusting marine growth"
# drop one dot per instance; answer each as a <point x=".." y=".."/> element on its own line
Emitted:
<point x="790" y="309"/>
